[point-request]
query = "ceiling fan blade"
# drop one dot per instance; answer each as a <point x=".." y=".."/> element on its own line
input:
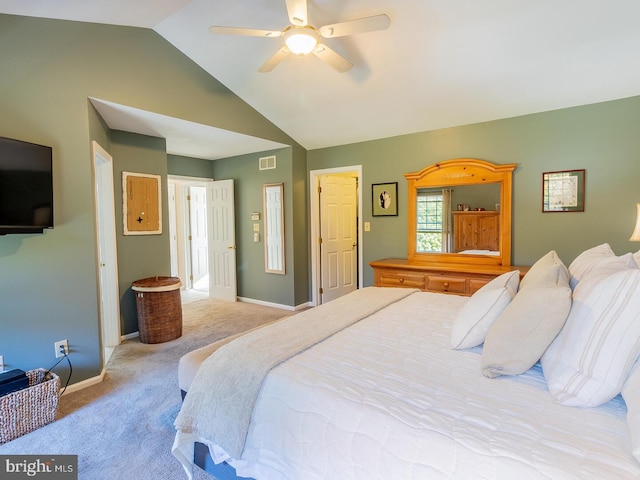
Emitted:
<point x="244" y="31"/>
<point x="297" y="11"/>
<point x="327" y="55"/>
<point x="361" y="25"/>
<point x="274" y="60"/>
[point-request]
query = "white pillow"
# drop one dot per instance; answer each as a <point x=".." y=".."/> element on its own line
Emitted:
<point x="589" y="361"/>
<point x="548" y="270"/>
<point x="631" y="395"/>
<point x="477" y="315"/>
<point x="636" y="257"/>
<point x="524" y="330"/>
<point x="584" y="262"/>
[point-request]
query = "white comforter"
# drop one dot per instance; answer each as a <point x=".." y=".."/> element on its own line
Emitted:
<point x="388" y="399"/>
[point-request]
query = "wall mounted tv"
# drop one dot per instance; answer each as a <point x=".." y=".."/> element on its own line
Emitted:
<point x="26" y="187"/>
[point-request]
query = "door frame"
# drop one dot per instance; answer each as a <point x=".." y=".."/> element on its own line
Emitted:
<point x="106" y="250"/>
<point x="182" y="225"/>
<point x="314" y="205"/>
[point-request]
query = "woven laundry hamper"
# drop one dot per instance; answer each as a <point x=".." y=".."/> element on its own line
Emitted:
<point x="28" y="409"/>
<point x="159" y="308"/>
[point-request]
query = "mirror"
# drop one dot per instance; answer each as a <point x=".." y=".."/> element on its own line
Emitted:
<point x="272" y="198"/>
<point x="460" y="212"/>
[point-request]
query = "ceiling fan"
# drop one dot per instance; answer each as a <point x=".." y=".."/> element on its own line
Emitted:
<point x="301" y="38"/>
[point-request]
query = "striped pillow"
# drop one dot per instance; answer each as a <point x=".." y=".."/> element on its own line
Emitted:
<point x="589" y="361"/>
<point x="631" y="394"/>
<point x="600" y="260"/>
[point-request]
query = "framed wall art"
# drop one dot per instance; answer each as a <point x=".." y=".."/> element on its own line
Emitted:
<point x="563" y="191"/>
<point x="384" y="201"/>
<point x="141" y="204"/>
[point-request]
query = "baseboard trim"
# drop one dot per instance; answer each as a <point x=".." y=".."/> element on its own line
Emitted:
<point x="85" y="383"/>
<point x="274" y="305"/>
<point x="129" y="336"/>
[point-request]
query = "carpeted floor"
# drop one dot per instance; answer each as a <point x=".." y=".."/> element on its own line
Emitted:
<point x="123" y="428"/>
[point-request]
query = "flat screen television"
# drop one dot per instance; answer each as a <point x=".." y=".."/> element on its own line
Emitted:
<point x="26" y="187"/>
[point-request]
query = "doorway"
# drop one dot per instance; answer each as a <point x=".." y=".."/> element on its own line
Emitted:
<point x="202" y="236"/>
<point x="109" y="306"/>
<point x="188" y="231"/>
<point x="336" y="218"/>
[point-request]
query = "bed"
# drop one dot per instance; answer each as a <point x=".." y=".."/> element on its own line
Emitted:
<point x="422" y="385"/>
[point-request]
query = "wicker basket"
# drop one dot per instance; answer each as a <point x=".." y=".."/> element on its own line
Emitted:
<point x="28" y="409"/>
<point x="159" y="308"/>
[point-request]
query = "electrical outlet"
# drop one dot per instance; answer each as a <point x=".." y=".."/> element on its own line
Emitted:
<point x="61" y="348"/>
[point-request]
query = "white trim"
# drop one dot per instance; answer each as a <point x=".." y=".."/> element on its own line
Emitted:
<point x="183" y="178"/>
<point x="129" y="336"/>
<point x="89" y="382"/>
<point x="314" y="182"/>
<point x="275" y="305"/>
<point x="106" y="247"/>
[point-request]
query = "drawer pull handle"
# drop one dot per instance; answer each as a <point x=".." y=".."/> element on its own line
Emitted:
<point x="446" y="284"/>
<point x="402" y="280"/>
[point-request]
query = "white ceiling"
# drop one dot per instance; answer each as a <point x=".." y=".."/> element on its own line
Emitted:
<point x="442" y="63"/>
<point x="182" y="137"/>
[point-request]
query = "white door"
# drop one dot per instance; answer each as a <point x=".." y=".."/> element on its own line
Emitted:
<point x="173" y="232"/>
<point x="338" y="233"/>
<point x="107" y="251"/>
<point x="198" y="237"/>
<point x="222" y="241"/>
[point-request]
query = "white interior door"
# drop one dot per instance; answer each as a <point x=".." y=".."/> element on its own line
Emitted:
<point x="338" y="231"/>
<point x="222" y="241"/>
<point x="173" y="232"/>
<point x="198" y="237"/>
<point x="107" y="251"/>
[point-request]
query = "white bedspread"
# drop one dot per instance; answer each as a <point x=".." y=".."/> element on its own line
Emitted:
<point x="388" y="399"/>
<point x="221" y="398"/>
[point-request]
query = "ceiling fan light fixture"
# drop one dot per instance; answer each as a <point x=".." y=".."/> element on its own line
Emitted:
<point x="301" y="40"/>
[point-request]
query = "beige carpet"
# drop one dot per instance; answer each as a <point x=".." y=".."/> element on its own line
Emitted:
<point x="123" y="428"/>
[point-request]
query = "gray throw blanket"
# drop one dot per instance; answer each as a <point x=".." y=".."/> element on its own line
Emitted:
<point x="219" y="404"/>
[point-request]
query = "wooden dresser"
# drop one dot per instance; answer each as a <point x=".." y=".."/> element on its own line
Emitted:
<point x="459" y="279"/>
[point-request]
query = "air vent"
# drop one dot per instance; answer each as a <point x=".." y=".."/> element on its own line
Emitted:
<point x="268" y="163"/>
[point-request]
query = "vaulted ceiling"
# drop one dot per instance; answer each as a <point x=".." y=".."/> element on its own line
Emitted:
<point x="441" y="63"/>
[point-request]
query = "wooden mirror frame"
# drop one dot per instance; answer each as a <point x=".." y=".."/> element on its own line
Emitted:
<point x="462" y="171"/>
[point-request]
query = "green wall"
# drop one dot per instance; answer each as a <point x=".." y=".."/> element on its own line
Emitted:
<point x="48" y="283"/>
<point x="139" y="256"/>
<point x="252" y="280"/>
<point x="601" y="138"/>
<point x="189" y="167"/>
<point x="50" y="68"/>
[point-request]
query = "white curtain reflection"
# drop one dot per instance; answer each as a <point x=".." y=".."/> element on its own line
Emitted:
<point x="447" y="234"/>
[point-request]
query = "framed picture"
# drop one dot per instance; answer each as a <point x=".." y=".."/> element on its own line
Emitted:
<point x="384" y="199"/>
<point x="563" y="191"/>
<point x="141" y="204"/>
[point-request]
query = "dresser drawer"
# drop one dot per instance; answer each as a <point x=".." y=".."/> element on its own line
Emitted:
<point x="441" y="283"/>
<point x="476" y="284"/>
<point x="402" y="279"/>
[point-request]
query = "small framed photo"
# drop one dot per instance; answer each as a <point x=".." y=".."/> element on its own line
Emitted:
<point x="384" y="199"/>
<point x="563" y="191"/>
